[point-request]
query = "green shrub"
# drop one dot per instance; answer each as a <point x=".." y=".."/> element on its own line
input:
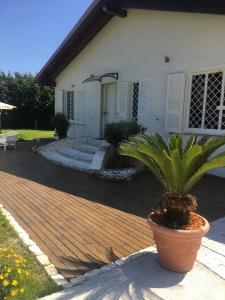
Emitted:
<point x="115" y="133"/>
<point x="61" y="125"/>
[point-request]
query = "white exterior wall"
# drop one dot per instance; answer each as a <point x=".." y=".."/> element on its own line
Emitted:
<point x="135" y="47"/>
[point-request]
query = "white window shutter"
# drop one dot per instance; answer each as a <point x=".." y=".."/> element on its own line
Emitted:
<point x="64" y="103"/>
<point x="58" y="101"/>
<point x="79" y="106"/>
<point x="175" y="102"/>
<point x="76" y="107"/>
<point x="76" y="116"/>
<point x="122" y="100"/>
<point x="143" y="97"/>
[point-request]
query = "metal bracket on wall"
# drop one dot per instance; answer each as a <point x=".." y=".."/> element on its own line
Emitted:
<point x="99" y="78"/>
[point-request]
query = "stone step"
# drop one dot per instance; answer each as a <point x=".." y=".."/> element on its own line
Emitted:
<point x="83" y="154"/>
<point x="75" y="154"/>
<point x="86" y="148"/>
<point x="94" y="142"/>
<point x="64" y="161"/>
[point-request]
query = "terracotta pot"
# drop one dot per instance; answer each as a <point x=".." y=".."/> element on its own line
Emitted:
<point x="177" y="249"/>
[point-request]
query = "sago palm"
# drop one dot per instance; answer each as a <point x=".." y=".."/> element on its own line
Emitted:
<point x="177" y="166"/>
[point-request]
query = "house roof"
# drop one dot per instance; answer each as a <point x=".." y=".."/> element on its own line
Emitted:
<point x="99" y="13"/>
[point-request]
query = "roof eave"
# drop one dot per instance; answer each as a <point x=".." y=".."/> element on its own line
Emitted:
<point x="94" y="19"/>
<point x="63" y="56"/>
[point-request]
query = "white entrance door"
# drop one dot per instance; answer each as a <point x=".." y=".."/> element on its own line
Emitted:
<point x="108" y="114"/>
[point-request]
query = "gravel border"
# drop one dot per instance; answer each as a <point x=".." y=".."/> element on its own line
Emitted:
<point x="33" y="247"/>
<point x="120" y="175"/>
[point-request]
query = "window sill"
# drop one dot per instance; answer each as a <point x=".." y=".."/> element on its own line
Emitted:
<point x="204" y="132"/>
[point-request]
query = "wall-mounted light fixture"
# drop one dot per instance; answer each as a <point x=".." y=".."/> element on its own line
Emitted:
<point x="166" y="59"/>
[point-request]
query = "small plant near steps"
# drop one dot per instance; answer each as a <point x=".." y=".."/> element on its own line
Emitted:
<point x="61" y="125"/>
<point x="177" y="229"/>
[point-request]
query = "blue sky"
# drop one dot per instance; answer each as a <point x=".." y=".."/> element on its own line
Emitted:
<point x="31" y="30"/>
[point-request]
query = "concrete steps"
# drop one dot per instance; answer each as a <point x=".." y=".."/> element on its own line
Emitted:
<point x="64" y="161"/>
<point x="81" y="153"/>
<point x="94" y="142"/>
<point x="76" y="154"/>
<point x="86" y="148"/>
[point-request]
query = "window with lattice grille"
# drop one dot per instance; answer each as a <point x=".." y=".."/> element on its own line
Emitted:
<point x="135" y="96"/>
<point x="69" y="106"/>
<point x="207" y="110"/>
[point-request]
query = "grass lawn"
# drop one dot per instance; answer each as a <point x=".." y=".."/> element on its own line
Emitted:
<point x="38" y="284"/>
<point x="30" y="134"/>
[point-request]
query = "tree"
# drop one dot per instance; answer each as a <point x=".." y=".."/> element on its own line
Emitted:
<point x="35" y="103"/>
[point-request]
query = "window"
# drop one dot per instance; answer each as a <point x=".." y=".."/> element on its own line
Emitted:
<point x="135" y="96"/>
<point x="69" y="106"/>
<point x="207" y="102"/>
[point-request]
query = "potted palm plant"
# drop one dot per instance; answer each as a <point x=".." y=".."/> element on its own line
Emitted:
<point x="178" y="166"/>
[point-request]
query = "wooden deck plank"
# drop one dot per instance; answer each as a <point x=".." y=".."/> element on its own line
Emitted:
<point x="76" y="233"/>
<point x="33" y="220"/>
<point x="47" y="246"/>
<point x="52" y="195"/>
<point x="45" y="225"/>
<point x="80" y="221"/>
<point x="70" y="234"/>
<point x="134" y="239"/>
<point x="78" y="217"/>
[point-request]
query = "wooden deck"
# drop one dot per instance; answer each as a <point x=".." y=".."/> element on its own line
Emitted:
<point x="77" y="234"/>
<point x="82" y="222"/>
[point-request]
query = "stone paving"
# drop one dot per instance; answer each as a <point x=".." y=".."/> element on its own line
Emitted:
<point x="140" y="277"/>
<point x="212" y="252"/>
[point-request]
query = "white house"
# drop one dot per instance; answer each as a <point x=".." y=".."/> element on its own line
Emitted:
<point x="161" y="63"/>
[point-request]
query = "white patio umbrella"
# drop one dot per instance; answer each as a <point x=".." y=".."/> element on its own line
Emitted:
<point x="4" y="106"/>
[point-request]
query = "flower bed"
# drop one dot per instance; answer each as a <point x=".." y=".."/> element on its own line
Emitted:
<point x="14" y="274"/>
<point x="21" y="276"/>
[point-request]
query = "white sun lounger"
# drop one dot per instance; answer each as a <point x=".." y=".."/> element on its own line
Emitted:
<point x="8" y="140"/>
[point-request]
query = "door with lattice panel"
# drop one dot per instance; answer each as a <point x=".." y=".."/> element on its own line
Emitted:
<point x="108" y="105"/>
